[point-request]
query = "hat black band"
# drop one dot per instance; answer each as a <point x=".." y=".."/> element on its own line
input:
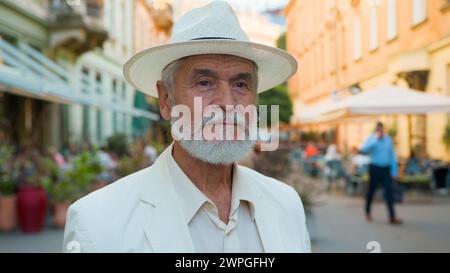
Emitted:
<point x="213" y="38"/>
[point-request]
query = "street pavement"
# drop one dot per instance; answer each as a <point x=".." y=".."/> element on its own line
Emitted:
<point x="50" y="240"/>
<point x="340" y="226"/>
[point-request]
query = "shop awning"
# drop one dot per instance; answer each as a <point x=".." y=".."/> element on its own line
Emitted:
<point x="27" y="72"/>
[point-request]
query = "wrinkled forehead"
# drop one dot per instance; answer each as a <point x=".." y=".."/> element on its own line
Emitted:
<point x="218" y="62"/>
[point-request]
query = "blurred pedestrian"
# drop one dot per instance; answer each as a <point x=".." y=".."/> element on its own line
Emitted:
<point x="151" y="153"/>
<point x="413" y="166"/>
<point x="333" y="168"/>
<point x="311" y="150"/>
<point x="332" y="153"/>
<point x="358" y="162"/>
<point x="382" y="169"/>
<point x="109" y="165"/>
<point x="57" y="158"/>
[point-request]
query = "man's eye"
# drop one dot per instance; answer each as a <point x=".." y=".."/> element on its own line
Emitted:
<point x="240" y="85"/>
<point x="204" y="83"/>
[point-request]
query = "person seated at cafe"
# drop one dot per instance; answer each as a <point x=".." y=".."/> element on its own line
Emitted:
<point x="311" y="150"/>
<point x="413" y="165"/>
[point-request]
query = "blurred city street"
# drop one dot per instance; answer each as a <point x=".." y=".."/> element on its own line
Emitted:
<point x="339" y="226"/>
<point x="360" y="92"/>
<point x="48" y="241"/>
<point x="342" y="227"/>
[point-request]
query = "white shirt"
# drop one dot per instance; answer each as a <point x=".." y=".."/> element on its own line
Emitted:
<point x="208" y="232"/>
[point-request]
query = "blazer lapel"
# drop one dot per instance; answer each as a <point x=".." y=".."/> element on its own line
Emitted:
<point x="264" y="212"/>
<point x="164" y="231"/>
<point x="162" y="218"/>
<point x="268" y="226"/>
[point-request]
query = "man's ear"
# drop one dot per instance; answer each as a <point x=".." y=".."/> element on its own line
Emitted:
<point x="164" y="100"/>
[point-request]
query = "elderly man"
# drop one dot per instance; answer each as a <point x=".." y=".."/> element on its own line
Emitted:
<point x="195" y="198"/>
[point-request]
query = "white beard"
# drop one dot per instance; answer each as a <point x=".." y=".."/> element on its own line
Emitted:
<point x="218" y="152"/>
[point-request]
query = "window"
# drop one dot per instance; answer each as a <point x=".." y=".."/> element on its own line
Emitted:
<point x="114" y="118"/>
<point x="357" y="43"/>
<point x="124" y="91"/>
<point x="373" y="41"/>
<point x="343" y="48"/>
<point x="392" y="19"/>
<point x="99" y="126"/>
<point x="419" y="11"/>
<point x="447" y="92"/>
<point x="86" y="123"/>
<point x="124" y="123"/>
<point x="114" y="90"/>
<point x="98" y="83"/>
<point x="85" y="80"/>
<point x="123" y="26"/>
<point x="109" y="6"/>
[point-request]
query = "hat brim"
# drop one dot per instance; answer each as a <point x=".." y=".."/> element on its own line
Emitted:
<point x="275" y="66"/>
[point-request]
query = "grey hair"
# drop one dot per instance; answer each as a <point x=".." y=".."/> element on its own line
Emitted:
<point x="168" y="77"/>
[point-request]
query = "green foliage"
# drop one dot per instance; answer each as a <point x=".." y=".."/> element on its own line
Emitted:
<point x="281" y="41"/>
<point x="85" y="168"/>
<point x="63" y="190"/>
<point x="158" y="146"/>
<point x="117" y="143"/>
<point x="310" y="136"/>
<point x="446" y="136"/>
<point x="7" y="181"/>
<point x="277" y="96"/>
<point x="72" y="184"/>
<point x="129" y="164"/>
<point x="393" y="131"/>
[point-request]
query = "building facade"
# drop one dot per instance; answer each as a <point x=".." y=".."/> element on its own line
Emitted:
<point x="258" y="28"/>
<point x="61" y="80"/>
<point x="346" y="47"/>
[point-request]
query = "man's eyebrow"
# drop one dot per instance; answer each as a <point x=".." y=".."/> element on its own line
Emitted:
<point x="242" y="76"/>
<point x="204" y="72"/>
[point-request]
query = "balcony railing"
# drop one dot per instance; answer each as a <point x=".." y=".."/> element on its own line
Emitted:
<point x="65" y="16"/>
<point x="90" y="12"/>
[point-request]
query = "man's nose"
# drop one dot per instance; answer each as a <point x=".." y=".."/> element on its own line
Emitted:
<point x="224" y="95"/>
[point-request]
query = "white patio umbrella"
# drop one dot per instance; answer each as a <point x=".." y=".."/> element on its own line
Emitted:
<point x="314" y="113"/>
<point x="390" y="99"/>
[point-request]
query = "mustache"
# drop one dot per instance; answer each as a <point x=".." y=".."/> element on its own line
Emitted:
<point x="228" y="118"/>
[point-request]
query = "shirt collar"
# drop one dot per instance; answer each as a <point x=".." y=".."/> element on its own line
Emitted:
<point x="192" y="199"/>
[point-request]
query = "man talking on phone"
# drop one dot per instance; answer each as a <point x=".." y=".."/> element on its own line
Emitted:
<point x="382" y="169"/>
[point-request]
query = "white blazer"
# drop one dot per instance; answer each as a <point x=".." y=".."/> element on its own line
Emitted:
<point x="140" y="213"/>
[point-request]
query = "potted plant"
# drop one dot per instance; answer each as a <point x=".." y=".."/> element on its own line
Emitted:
<point x="7" y="190"/>
<point x="86" y="172"/>
<point x="32" y="200"/>
<point x="67" y="186"/>
<point x="62" y="193"/>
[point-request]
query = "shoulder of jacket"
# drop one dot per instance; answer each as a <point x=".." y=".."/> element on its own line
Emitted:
<point x="113" y="194"/>
<point x="271" y="187"/>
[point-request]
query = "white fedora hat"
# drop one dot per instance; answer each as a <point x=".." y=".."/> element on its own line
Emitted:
<point x="211" y="29"/>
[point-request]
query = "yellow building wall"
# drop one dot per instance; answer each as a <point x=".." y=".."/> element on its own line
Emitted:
<point x="439" y="83"/>
<point x="320" y="36"/>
